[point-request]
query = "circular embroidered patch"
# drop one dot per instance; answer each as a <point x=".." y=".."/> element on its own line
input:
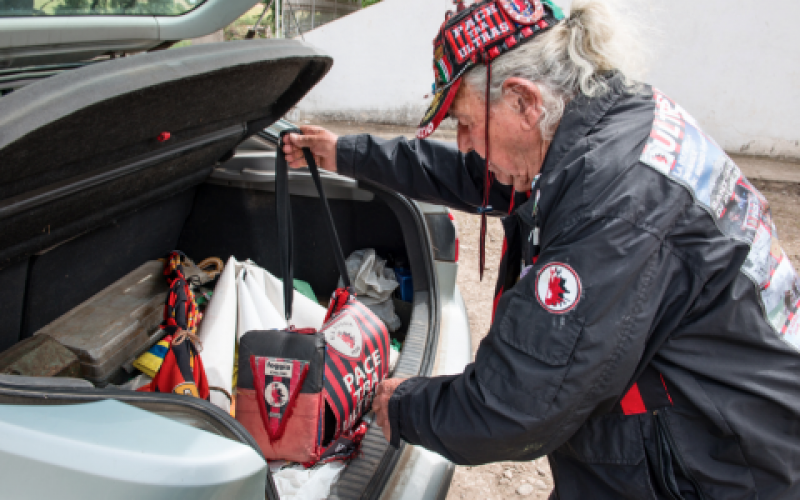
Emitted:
<point x="558" y="288"/>
<point x="276" y="394"/>
<point x="525" y="12"/>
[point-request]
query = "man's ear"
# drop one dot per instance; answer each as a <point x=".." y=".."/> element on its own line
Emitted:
<point x="525" y="98"/>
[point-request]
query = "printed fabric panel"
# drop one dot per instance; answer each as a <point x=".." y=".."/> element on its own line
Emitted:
<point x="356" y="361"/>
<point x="680" y="150"/>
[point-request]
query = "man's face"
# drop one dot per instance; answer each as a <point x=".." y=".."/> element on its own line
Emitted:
<point x="516" y="148"/>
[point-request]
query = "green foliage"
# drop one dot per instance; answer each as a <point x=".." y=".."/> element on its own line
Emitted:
<point x="182" y="43"/>
<point x="112" y="7"/>
<point x="238" y="29"/>
<point x="367" y="3"/>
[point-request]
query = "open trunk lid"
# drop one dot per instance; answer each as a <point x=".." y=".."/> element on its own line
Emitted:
<point x="85" y="146"/>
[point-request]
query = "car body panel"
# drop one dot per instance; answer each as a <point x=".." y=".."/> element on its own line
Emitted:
<point x="421" y="474"/>
<point x="38" y="40"/>
<point x="75" y="451"/>
<point x="455" y="347"/>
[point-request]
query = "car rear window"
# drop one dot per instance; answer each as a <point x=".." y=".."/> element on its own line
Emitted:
<point x="97" y="7"/>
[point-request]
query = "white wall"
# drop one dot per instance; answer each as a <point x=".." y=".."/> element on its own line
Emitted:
<point x="734" y="65"/>
<point x="383" y="62"/>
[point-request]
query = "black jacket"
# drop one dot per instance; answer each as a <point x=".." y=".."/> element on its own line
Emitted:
<point x="650" y="350"/>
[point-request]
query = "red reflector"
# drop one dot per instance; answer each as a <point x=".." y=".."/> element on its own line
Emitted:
<point x="163" y="137"/>
<point x="450" y="214"/>
<point x="526" y="32"/>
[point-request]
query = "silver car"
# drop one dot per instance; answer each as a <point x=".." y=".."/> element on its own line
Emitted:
<point x="114" y="152"/>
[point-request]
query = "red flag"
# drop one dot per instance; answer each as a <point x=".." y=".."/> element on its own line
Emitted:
<point x="277" y="382"/>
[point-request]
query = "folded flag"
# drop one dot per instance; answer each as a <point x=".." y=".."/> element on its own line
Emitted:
<point x="277" y="382"/>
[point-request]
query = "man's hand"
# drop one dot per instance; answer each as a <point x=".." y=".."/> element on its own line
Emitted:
<point x="320" y="141"/>
<point x="381" y="404"/>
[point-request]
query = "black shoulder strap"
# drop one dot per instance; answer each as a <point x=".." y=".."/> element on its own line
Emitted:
<point x="284" y="213"/>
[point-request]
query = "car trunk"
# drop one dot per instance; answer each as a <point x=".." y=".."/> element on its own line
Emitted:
<point x="116" y="164"/>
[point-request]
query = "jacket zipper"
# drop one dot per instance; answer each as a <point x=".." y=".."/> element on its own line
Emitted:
<point x="661" y="421"/>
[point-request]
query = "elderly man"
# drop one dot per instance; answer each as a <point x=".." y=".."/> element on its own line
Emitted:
<point x="645" y="336"/>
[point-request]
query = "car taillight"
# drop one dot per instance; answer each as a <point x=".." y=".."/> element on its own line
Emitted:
<point x="453" y="220"/>
<point x="444" y="239"/>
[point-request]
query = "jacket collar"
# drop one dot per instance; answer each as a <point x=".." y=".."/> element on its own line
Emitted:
<point x="581" y="115"/>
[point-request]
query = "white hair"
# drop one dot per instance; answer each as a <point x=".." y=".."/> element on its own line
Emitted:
<point x="569" y="59"/>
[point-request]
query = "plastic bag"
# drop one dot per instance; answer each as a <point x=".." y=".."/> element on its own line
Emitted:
<point x="256" y="312"/>
<point x="374" y="284"/>
<point x="298" y="483"/>
<point x="306" y="313"/>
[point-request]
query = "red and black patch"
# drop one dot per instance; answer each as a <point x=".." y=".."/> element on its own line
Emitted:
<point x="277" y="383"/>
<point x="526" y="12"/>
<point x="558" y="288"/>
<point x="483" y="27"/>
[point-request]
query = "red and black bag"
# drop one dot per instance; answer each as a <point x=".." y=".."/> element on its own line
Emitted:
<point x="302" y="393"/>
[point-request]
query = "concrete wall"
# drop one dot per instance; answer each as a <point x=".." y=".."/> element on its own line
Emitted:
<point x="383" y="66"/>
<point x="734" y="65"/>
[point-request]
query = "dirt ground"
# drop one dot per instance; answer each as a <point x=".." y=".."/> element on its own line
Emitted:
<point x="533" y="479"/>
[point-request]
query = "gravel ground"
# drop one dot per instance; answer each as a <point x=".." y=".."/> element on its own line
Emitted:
<point x="533" y="479"/>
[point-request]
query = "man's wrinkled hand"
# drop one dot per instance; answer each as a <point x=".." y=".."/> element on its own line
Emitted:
<point x="381" y="404"/>
<point x="320" y="141"/>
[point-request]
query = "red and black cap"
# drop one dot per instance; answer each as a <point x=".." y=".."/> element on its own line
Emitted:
<point x="479" y="34"/>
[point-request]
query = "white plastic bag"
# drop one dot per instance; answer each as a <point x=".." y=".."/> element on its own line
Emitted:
<point x="269" y="317"/>
<point x="374" y="284"/>
<point x="297" y="483"/>
<point x="306" y="313"/>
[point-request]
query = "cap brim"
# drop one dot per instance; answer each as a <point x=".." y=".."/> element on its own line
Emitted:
<point x="438" y="110"/>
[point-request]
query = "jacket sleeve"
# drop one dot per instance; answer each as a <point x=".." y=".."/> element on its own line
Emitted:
<point x="425" y="170"/>
<point x="540" y="373"/>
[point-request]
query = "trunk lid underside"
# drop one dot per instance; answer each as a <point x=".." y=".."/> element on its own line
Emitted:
<point x="87" y="145"/>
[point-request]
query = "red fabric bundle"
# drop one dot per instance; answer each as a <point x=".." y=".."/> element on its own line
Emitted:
<point x="182" y="370"/>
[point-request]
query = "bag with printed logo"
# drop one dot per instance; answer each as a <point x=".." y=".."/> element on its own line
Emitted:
<point x="301" y="393"/>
